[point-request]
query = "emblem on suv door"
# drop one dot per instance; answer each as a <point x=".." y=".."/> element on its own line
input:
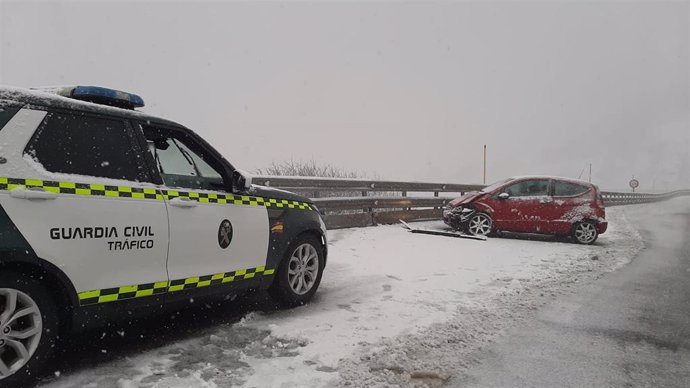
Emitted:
<point x="224" y="234"/>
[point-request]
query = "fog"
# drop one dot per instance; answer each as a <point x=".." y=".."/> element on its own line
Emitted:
<point x="393" y="90"/>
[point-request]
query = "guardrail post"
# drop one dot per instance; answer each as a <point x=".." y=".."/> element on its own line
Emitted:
<point x="404" y="194"/>
<point x="366" y="210"/>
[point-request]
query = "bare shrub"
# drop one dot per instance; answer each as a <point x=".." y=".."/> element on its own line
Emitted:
<point x="308" y="168"/>
<point x="312" y="169"/>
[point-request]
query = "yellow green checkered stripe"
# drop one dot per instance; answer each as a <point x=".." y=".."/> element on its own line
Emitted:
<point x="87" y="189"/>
<point x="93" y="189"/>
<point x="235" y="199"/>
<point x="137" y="291"/>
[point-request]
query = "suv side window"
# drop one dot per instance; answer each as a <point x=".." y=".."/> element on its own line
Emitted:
<point x="87" y="145"/>
<point x="529" y="188"/>
<point x="181" y="162"/>
<point x="567" y="189"/>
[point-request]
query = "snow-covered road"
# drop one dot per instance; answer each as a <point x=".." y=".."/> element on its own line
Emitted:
<point x="630" y="328"/>
<point x="393" y="308"/>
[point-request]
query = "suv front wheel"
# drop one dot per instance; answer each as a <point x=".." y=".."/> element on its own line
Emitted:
<point x="299" y="273"/>
<point x="28" y="328"/>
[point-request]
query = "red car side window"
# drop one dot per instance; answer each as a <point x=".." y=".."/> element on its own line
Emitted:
<point x="530" y="188"/>
<point x="568" y="189"/>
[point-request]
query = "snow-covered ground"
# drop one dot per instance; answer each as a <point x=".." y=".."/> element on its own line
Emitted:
<point x="394" y="308"/>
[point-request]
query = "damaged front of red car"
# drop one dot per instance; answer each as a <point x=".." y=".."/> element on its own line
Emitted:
<point x="459" y="211"/>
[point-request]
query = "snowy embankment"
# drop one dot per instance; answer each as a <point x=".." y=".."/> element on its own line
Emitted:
<point x="393" y="308"/>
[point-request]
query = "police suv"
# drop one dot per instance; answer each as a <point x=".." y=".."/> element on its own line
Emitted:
<point x="106" y="212"/>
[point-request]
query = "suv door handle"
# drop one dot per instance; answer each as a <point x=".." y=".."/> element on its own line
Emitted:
<point x="32" y="193"/>
<point x="182" y="202"/>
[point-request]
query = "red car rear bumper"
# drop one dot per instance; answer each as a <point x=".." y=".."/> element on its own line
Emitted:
<point x="602" y="226"/>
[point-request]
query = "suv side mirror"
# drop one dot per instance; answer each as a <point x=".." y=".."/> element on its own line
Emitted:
<point x="503" y="196"/>
<point x="241" y="180"/>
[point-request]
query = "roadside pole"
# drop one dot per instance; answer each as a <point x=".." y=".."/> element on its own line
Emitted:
<point x="484" y="163"/>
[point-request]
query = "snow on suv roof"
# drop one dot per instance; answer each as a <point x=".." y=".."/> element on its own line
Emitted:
<point x="47" y="97"/>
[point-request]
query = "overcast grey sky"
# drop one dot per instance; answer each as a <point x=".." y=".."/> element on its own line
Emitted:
<point x="397" y="90"/>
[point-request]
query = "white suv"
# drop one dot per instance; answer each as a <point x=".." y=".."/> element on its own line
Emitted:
<point x="107" y="212"/>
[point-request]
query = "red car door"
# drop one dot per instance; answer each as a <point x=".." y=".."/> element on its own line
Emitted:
<point x="570" y="202"/>
<point x="526" y="208"/>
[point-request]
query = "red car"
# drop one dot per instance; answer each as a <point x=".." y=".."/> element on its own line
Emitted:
<point x="533" y="204"/>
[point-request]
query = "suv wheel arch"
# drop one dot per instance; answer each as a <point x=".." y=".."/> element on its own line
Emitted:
<point x="54" y="279"/>
<point x="319" y="236"/>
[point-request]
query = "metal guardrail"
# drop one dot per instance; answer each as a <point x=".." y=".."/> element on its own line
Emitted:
<point x="364" y="185"/>
<point x="386" y="202"/>
<point x="616" y="199"/>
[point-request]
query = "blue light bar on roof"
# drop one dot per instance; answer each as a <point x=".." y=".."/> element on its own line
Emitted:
<point x="107" y="96"/>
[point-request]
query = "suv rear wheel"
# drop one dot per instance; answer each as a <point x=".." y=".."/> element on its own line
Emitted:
<point x="299" y="273"/>
<point x="28" y="328"/>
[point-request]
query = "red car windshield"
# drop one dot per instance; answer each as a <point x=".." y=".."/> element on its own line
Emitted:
<point x="496" y="185"/>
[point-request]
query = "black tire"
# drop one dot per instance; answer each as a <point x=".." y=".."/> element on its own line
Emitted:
<point x="280" y="289"/>
<point x="480" y="224"/>
<point x="50" y="335"/>
<point x="585" y="232"/>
